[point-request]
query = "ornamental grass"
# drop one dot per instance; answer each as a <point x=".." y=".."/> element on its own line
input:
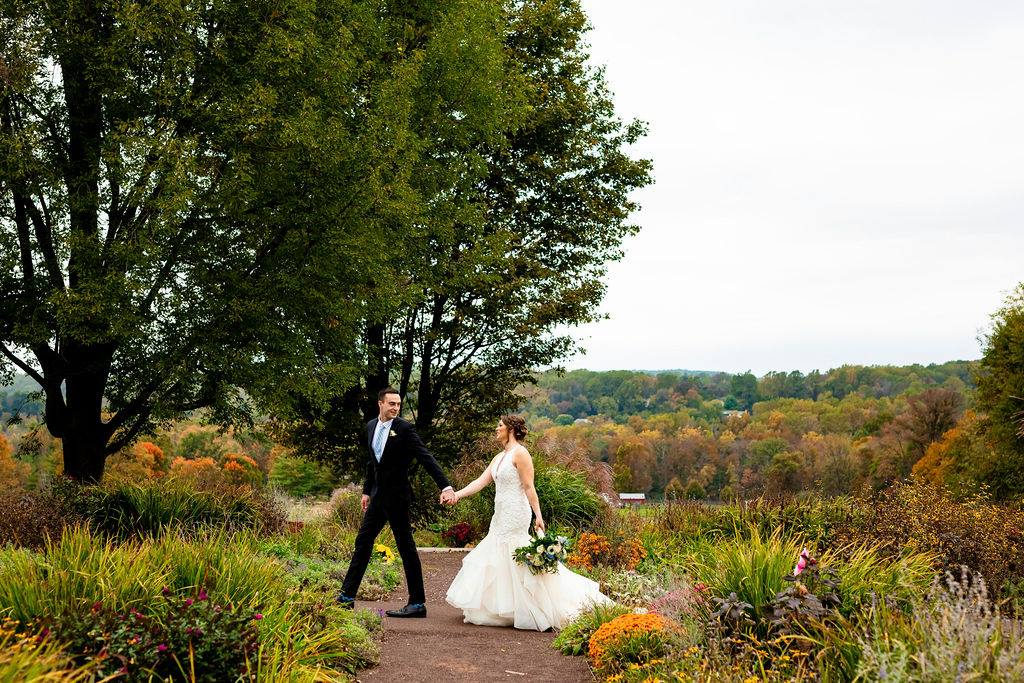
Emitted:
<point x="299" y="629"/>
<point x="33" y="657"/>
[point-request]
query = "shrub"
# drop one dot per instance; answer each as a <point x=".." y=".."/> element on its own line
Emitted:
<point x="126" y="509"/>
<point x="301" y="633"/>
<point x="211" y="642"/>
<point x="29" y="657"/>
<point x="683" y="602"/>
<point x="634" y="589"/>
<point x="631" y="639"/>
<point x="592" y="550"/>
<point x="574" y="638"/>
<point x="300" y="477"/>
<point x="144" y="460"/>
<point x="955" y="634"/>
<point x="13" y="474"/>
<point x="566" y="499"/>
<point x="241" y="470"/>
<point x="458" y="535"/>
<point x="968" y="531"/>
<point x="29" y="518"/>
<point x="346" y="508"/>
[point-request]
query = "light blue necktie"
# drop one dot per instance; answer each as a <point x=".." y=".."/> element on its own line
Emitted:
<point x="378" y="441"/>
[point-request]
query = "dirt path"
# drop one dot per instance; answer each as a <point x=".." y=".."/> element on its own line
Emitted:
<point x="443" y="648"/>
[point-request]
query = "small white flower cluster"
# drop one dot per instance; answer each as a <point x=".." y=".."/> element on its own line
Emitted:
<point x="543" y="556"/>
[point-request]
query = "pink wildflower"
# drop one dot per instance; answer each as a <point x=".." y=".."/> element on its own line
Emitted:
<point x="801" y="563"/>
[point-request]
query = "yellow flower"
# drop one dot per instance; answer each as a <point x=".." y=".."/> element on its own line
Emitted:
<point x="387" y="555"/>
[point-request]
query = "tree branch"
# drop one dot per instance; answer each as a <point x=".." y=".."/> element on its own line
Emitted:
<point x="25" y="367"/>
<point x="44" y="238"/>
<point x="128" y="435"/>
<point x="133" y="408"/>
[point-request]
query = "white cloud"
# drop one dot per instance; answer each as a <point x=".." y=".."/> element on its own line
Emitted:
<point x="835" y="182"/>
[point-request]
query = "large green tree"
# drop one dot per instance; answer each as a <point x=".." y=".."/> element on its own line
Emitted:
<point x="194" y="198"/>
<point x="522" y="213"/>
<point x="1001" y="395"/>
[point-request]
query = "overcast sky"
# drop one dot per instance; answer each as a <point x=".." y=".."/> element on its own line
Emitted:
<point x="835" y="182"/>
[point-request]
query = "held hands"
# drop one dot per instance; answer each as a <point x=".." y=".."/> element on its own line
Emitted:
<point x="449" y="497"/>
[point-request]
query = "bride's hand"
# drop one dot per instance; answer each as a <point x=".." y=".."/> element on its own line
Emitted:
<point x="539" y="524"/>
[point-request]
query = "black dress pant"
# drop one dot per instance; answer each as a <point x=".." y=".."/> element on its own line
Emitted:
<point x="394" y="512"/>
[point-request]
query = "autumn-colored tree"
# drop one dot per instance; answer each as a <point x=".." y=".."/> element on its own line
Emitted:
<point x="674" y="489"/>
<point x="694" y="490"/>
<point x="13" y="474"/>
<point x="636" y="457"/>
<point x="784" y="475"/>
<point x="928" y="416"/>
<point x="963" y="458"/>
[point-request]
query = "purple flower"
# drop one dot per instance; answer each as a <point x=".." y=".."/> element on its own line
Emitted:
<point x="380" y="613"/>
<point x="165" y="590"/>
<point x="161" y="648"/>
<point x="202" y="595"/>
<point x="96" y="606"/>
<point x="257" y="616"/>
<point x="188" y="602"/>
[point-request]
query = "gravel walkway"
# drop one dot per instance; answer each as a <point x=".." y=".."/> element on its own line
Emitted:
<point x="443" y="648"/>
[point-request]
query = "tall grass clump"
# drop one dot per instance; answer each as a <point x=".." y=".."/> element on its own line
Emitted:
<point x="125" y="509"/>
<point x="85" y="574"/>
<point x="566" y="499"/>
<point x="754" y="567"/>
<point x="865" y="573"/>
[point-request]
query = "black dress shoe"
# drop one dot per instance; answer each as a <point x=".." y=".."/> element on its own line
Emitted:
<point x="409" y="610"/>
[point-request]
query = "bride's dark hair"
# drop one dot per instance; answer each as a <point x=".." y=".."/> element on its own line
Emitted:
<point x="516" y="425"/>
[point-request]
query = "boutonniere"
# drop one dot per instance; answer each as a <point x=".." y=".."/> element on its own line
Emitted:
<point x="392" y="433"/>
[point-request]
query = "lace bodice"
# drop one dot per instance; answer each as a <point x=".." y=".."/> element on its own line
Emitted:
<point x="511" y="508"/>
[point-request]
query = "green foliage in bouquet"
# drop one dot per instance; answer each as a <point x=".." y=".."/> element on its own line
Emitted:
<point x="543" y="553"/>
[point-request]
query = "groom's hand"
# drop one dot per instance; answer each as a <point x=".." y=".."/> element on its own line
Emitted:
<point x="448" y="496"/>
<point x="365" y="502"/>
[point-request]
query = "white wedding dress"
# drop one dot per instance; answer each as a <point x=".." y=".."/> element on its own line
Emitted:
<point x="492" y="589"/>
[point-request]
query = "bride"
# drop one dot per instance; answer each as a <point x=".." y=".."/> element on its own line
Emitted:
<point x="492" y="589"/>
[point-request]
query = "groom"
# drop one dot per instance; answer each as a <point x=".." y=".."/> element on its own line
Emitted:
<point x="392" y="443"/>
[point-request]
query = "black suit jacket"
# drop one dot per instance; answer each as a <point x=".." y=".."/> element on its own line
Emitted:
<point x="391" y="474"/>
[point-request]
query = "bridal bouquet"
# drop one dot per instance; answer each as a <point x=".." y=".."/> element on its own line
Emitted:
<point x="543" y="554"/>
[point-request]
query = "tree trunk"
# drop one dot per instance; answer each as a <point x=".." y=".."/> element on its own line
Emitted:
<point x="377" y="369"/>
<point x="84" y="434"/>
<point x="427" y="394"/>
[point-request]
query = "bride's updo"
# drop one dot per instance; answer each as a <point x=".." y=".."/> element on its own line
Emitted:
<point x="516" y="426"/>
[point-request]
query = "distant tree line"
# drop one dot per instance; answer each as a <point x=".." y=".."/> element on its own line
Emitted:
<point x="620" y="394"/>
